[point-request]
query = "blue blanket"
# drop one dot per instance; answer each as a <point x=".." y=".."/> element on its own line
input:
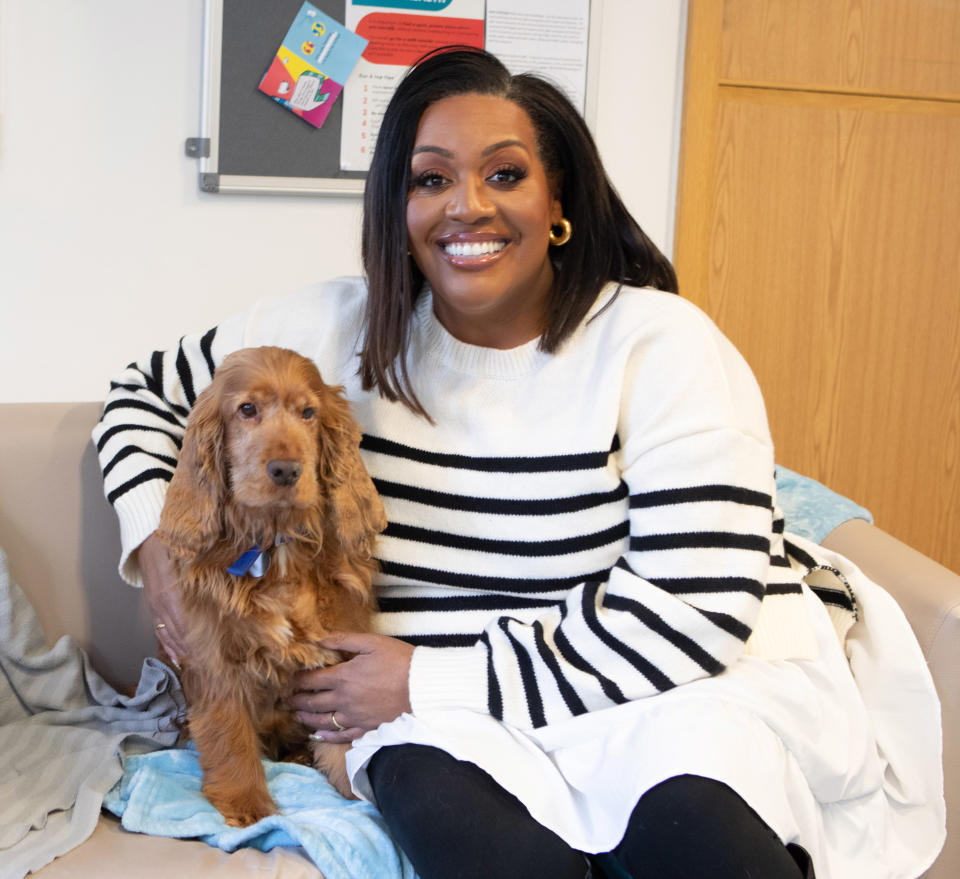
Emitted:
<point x="812" y="510"/>
<point x="160" y="794"/>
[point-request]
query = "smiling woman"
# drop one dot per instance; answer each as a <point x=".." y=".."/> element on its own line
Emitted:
<point x="472" y="155"/>
<point x="478" y="219"/>
<point x="593" y="634"/>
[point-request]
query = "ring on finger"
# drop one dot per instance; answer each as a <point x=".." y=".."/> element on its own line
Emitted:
<point x="335" y="722"/>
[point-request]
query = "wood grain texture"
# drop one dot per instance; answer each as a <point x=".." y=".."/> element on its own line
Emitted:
<point x="843" y="295"/>
<point x="897" y="47"/>
<point x="822" y="232"/>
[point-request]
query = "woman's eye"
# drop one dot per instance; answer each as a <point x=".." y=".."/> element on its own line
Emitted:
<point x="248" y="410"/>
<point x="308" y="413"/>
<point x="509" y="174"/>
<point x="429" y="180"/>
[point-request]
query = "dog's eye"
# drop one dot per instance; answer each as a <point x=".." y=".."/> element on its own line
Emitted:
<point x="308" y="413"/>
<point x="248" y="410"/>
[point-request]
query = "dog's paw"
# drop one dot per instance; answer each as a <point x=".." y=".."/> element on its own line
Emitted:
<point x="309" y="655"/>
<point x="330" y="759"/>
<point x="244" y="811"/>
<point x="246" y="817"/>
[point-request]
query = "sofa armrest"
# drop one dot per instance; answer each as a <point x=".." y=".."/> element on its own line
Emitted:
<point x="929" y="595"/>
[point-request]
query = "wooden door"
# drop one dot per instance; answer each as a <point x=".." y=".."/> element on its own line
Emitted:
<point x="819" y="224"/>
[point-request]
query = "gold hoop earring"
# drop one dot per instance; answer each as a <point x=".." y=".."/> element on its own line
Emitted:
<point x="564" y="236"/>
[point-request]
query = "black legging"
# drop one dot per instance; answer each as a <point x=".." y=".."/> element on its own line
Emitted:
<point x="455" y="822"/>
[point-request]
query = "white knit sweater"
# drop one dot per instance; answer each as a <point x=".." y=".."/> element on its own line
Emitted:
<point x="575" y="530"/>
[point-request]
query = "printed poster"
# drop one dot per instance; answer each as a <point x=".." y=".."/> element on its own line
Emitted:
<point x="312" y="64"/>
<point x="548" y="37"/>
<point x="398" y="32"/>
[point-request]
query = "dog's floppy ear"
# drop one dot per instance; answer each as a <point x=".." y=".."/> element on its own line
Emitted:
<point x="191" y="521"/>
<point x="356" y="506"/>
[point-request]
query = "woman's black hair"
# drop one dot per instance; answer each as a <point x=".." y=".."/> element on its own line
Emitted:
<point x="607" y="243"/>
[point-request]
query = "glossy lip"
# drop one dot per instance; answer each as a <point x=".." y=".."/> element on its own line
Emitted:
<point x="472" y="262"/>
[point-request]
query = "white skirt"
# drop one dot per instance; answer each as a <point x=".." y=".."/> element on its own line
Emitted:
<point x="841" y="754"/>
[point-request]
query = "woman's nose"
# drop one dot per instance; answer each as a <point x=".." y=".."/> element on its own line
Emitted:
<point x="469" y="201"/>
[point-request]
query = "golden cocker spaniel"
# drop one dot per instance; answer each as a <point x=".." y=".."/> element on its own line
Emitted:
<point x="270" y="520"/>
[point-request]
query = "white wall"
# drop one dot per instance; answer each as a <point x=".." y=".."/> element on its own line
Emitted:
<point x="107" y="248"/>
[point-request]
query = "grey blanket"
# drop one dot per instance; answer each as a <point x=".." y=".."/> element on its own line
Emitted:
<point x="64" y="732"/>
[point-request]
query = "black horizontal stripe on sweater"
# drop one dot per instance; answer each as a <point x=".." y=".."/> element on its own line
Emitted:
<point x="451" y="604"/>
<point x="784" y="589"/>
<point x="127" y="451"/>
<point x="699" y="494"/>
<point x="139" y="479"/>
<point x="693" y="585"/>
<point x="142" y="405"/>
<point x="123" y="428"/>
<point x="456" y="579"/>
<point x="729" y="624"/>
<point x="700" y="540"/>
<point x="525" y="548"/>
<point x="499" y="506"/>
<point x="459" y="639"/>
<point x="532" y="464"/>
<point x="182" y="411"/>
<point x="834" y="597"/>
<point x="709" y="585"/>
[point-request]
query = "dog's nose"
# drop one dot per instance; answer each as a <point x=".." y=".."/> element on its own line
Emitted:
<point x="284" y="472"/>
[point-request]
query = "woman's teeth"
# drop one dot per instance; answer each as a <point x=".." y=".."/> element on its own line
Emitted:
<point x="477" y="248"/>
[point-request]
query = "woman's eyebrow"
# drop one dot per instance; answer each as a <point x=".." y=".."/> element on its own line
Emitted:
<point x="433" y="149"/>
<point x="501" y="144"/>
<point x="447" y="154"/>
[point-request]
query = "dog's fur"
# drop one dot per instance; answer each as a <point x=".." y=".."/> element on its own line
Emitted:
<point x="248" y="635"/>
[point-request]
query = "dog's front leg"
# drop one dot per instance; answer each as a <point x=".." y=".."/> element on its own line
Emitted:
<point x="233" y="776"/>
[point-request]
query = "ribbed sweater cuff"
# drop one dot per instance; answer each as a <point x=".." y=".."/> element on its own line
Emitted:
<point x="448" y="677"/>
<point x="139" y="514"/>
<point x="783" y="630"/>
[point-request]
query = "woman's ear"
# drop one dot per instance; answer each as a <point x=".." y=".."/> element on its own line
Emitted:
<point x="555" y="180"/>
<point x="356" y="507"/>
<point x="191" y="521"/>
<point x="556" y="212"/>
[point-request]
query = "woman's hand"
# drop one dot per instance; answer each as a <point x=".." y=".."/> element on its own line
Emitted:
<point x="156" y="569"/>
<point x="370" y="688"/>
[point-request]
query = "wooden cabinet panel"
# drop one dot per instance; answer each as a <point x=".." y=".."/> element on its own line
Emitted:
<point x="818" y="223"/>
<point x="833" y="265"/>
<point x="896" y="47"/>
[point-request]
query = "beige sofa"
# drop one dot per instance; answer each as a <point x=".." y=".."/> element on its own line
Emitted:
<point x="62" y="543"/>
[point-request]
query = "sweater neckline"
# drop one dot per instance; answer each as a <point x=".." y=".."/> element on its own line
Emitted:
<point x="435" y="341"/>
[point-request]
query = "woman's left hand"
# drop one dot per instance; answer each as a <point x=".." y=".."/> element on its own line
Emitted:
<point x="370" y="688"/>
